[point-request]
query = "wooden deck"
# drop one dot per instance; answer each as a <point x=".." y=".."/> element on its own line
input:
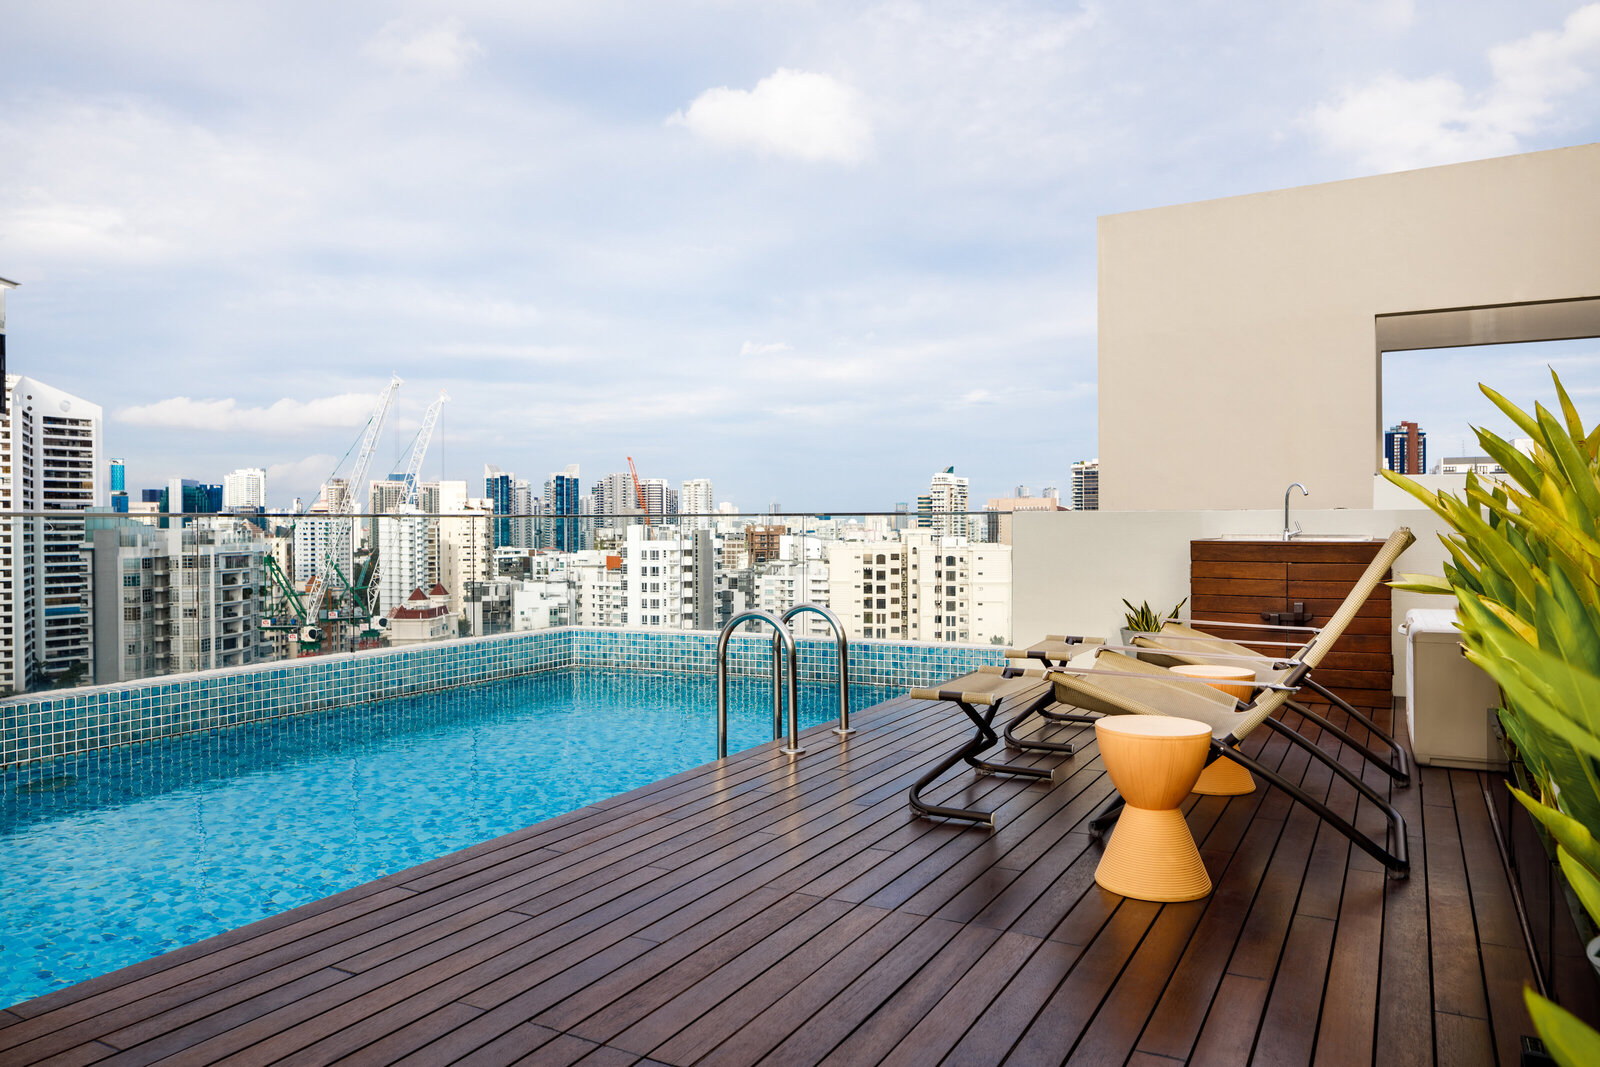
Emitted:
<point x="793" y="912"/>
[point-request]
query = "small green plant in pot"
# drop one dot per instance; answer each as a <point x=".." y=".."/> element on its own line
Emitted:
<point x="1144" y="620"/>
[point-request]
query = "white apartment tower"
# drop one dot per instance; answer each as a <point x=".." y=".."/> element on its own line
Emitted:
<point x="614" y="498"/>
<point x="403" y="549"/>
<point x="660" y="500"/>
<point x="175" y="600"/>
<point x="694" y="498"/>
<point x="946" y="505"/>
<point x="927" y="587"/>
<point x="667" y="579"/>
<point x="245" y="488"/>
<point x="1086" y="485"/>
<point x="49" y="461"/>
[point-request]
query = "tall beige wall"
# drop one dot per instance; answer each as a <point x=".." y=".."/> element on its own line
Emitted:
<point x="1238" y="338"/>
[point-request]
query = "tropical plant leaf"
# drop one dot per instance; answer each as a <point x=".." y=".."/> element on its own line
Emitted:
<point x="1574" y="464"/>
<point x="1583" y="881"/>
<point x="1567" y="1038"/>
<point x="1423" y="583"/>
<point x="1525" y="422"/>
<point x="1569" y="832"/>
<point x="1503" y="452"/>
<point x="1569" y="411"/>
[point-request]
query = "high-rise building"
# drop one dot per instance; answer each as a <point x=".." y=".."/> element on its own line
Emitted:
<point x="1405" y="449"/>
<point x="1086" y="485"/>
<point x="175" y="600"/>
<point x="466" y="541"/>
<point x="187" y="496"/>
<point x="943" y="508"/>
<point x="402" y="541"/>
<point x="562" y="503"/>
<point x="49" y="461"/>
<point x="660" y="500"/>
<point x="615" y="499"/>
<point x="244" y="488"/>
<point x="695" y="499"/>
<point x="499" y="488"/>
<point x="667" y="579"/>
<point x="925" y="587"/>
<point x="119" y="486"/>
<point x="314" y="536"/>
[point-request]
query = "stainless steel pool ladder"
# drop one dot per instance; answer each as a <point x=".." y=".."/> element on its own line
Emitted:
<point x="843" y="729"/>
<point x="783" y="646"/>
<point x="782" y="641"/>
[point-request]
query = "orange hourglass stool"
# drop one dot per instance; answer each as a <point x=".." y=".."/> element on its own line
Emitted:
<point x="1223" y="778"/>
<point x="1153" y="761"/>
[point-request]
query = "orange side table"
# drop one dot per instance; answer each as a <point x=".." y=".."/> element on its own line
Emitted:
<point x="1153" y="761"/>
<point x="1223" y="778"/>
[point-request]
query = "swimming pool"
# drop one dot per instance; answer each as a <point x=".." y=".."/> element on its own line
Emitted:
<point x="121" y="854"/>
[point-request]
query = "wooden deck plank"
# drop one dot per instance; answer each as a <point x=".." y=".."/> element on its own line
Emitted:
<point x="906" y="1008"/>
<point x="793" y="911"/>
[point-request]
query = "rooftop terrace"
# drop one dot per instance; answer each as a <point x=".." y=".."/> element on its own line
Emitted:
<point x="764" y="909"/>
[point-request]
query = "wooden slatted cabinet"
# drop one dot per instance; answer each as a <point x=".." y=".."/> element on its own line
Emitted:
<point x="1238" y="581"/>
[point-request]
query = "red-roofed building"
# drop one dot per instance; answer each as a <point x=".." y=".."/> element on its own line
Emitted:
<point x="423" y="617"/>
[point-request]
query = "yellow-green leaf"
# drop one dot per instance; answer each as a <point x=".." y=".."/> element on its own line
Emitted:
<point x="1566" y="1037"/>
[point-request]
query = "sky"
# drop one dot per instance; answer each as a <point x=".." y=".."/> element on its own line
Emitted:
<point x="813" y="251"/>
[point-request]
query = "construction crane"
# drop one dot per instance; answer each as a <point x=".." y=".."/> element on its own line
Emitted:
<point x="339" y="532"/>
<point x="638" y="490"/>
<point x="408" y="498"/>
<point x="424" y="436"/>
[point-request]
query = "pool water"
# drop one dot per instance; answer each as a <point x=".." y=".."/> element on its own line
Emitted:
<point x="115" y="856"/>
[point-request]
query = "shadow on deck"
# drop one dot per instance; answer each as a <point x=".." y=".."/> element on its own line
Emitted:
<point x="794" y="912"/>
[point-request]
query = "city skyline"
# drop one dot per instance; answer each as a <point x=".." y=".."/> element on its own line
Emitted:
<point x="810" y="252"/>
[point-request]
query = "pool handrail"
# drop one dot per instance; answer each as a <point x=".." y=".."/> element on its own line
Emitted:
<point x="787" y="640"/>
<point x="844" y="728"/>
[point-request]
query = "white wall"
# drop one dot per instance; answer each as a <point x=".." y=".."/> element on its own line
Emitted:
<point x="1239" y="339"/>
<point x="1072" y="569"/>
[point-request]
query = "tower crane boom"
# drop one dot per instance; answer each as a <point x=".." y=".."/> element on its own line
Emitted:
<point x="408" y="498"/>
<point x="339" y="532"/>
<point x="638" y="491"/>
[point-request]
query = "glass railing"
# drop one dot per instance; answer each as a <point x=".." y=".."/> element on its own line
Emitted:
<point x="102" y="597"/>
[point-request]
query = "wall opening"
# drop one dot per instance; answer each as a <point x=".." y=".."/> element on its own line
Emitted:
<point x="1437" y="388"/>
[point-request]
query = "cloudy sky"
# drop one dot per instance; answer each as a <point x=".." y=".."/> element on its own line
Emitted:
<point x="813" y="251"/>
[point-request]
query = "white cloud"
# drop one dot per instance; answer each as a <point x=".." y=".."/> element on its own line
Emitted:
<point x="284" y="418"/>
<point x="791" y="113"/>
<point x="1396" y="123"/>
<point x="299" y="478"/>
<point x="757" y="348"/>
<point x="443" y="49"/>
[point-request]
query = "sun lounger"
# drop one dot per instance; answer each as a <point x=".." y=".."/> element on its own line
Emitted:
<point x="987" y="688"/>
<point x="1116" y="684"/>
<point x="1180" y="643"/>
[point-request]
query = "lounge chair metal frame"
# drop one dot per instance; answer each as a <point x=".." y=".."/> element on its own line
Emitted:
<point x="990" y="693"/>
<point x="1193" y="698"/>
<point x="1158" y="647"/>
<point x="1054" y="649"/>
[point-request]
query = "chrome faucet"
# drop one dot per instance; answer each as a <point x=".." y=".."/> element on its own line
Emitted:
<point x="1288" y="534"/>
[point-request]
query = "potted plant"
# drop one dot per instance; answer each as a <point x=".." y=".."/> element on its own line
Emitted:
<point x="1144" y="620"/>
<point x="1524" y="568"/>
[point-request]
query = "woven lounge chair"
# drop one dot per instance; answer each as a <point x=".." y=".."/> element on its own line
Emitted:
<point x="1179" y="643"/>
<point x="1117" y="684"/>
<point x="987" y="688"/>
<point x="1053" y="650"/>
